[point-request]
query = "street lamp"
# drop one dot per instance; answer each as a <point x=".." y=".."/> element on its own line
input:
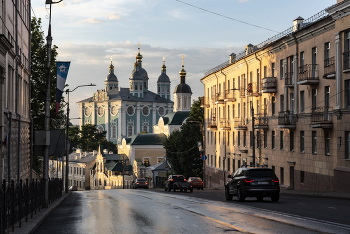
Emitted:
<point x="67" y="135"/>
<point x="253" y="135"/>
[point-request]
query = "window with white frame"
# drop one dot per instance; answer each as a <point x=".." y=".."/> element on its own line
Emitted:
<point x="114" y="131"/>
<point x="146" y="162"/>
<point x="130" y="130"/>
<point x="314" y="142"/>
<point x="100" y="129"/>
<point x="145" y="128"/>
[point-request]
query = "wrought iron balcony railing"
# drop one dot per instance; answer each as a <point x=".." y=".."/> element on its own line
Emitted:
<point x="329" y="66"/>
<point x="289" y="79"/>
<point x="224" y="124"/>
<point x="308" y="73"/>
<point x="212" y="123"/>
<point x="261" y="122"/>
<point x="230" y="96"/>
<point x="240" y="123"/>
<point x="321" y="115"/>
<point x="220" y="96"/>
<point x="213" y="98"/>
<point x="269" y="85"/>
<point x="346" y="58"/>
<point x="286" y="118"/>
<point x="253" y="89"/>
<point x="205" y="102"/>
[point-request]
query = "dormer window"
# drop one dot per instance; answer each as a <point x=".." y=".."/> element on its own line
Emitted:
<point x="135" y="86"/>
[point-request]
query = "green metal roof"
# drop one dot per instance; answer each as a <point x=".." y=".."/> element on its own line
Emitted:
<point x="148" y="139"/>
<point x="115" y="157"/>
<point x="175" y="118"/>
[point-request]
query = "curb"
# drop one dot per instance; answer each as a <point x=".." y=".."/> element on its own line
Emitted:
<point x="35" y="227"/>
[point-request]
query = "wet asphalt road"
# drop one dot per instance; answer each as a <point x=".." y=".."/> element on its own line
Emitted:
<point x="152" y="211"/>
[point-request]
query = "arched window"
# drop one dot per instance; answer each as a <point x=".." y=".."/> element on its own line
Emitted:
<point x="158" y="89"/>
<point x="129" y="130"/>
<point x="144" y="84"/>
<point x="145" y="128"/>
<point x="135" y="86"/>
<point x="185" y="102"/>
<point x="141" y="86"/>
<point x="114" y="131"/>
<point x="100" y="129"/>
<point x="179" y="102"/>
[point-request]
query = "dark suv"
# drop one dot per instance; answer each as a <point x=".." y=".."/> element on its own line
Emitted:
<point x="253" y="181"/>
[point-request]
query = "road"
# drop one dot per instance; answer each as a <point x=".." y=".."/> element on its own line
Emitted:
<point x="155" y="211"/>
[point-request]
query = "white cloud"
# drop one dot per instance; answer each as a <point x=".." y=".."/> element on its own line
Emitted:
<point x="90" y="21"/>
<point x="114" y="16"/>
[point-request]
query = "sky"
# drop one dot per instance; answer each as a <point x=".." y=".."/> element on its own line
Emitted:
<point x="89" y="32"/>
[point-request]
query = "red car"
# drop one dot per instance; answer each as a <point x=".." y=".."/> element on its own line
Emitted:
<point x="196" y="182"/>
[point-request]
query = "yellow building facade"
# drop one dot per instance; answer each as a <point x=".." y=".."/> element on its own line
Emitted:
<point x="297" y="84"/>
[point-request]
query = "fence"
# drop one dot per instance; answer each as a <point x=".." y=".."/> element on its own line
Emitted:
<point x="24" y="199"/>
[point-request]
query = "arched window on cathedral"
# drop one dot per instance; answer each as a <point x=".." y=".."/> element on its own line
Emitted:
<point x="158" y="89"/>
<point x="100" y="183"/>
<point x="135" y="86"/>
<point x="145" y="128"/>
<point x="100" y="129"/>
<point x="185" y="102"/>
<point x="129" y="130"/>
<point x="114" y="131"/>
<point x="179" y="102"/>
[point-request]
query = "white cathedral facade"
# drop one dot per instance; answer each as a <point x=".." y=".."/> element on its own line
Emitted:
<point x="123" y="112"/>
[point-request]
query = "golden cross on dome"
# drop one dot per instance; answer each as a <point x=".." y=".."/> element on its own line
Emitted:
<point x="163" y="60"/>
<point x="182" y="59"/>
<point x="111" y="59"/>
<point x="138" y="47"/>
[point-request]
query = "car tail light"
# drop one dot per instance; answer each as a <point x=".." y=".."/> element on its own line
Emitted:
<point x="276" y="181"/>
<point x="137" y="183"/>
<point x="248" y="180"/>
<point x="185" y="180"/>
<point x="171" y="179"/>
<point x="202" y="182"/>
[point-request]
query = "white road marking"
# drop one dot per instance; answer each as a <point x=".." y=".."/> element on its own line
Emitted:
<point x="195" y="225"/>
<point x="332" y="207"/>
<point x="177" y="217"/>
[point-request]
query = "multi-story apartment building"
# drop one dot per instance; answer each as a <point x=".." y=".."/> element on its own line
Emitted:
<point x="298" y="84"/>
<point x="14" y="89"/>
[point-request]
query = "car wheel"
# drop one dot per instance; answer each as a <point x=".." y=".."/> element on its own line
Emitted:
<point x="191" y="190"/>
<point x="240" y="196"/>
<point x="198" y="188"/>
<point x="275" y="198"/>
<point x="166" y="189"/>
<point x="185" y="190"/>
<point x="181" y="190"/>
<point x="174" y="189"/>
<point x="169" y="189"/>
<point x="260" y="199"/>
<point x="202" y="188"/>
<point x="228" y="196"/>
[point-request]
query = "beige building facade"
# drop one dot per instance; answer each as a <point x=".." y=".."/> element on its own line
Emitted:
<point x="14" y="89"/>
<point x="298" y="84"/>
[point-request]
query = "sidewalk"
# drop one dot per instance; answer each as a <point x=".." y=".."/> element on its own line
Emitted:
<point x="33" y="223"/>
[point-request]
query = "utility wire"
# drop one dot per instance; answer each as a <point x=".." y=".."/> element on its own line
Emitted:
<point x="226" y="16"/>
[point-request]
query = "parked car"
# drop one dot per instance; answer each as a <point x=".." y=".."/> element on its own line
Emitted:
<point x="253" y="181"/>
<point x="73" y="188"/>
<point x="179" y="182"/>
<point x="196" y="182"/>
<point x="140" y="183"/>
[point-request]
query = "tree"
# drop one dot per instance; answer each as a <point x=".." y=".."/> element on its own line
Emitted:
<point x="181" y="146"/>
<point x="74" y="138"/>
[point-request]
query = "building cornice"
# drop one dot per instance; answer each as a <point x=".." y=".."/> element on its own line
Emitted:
<point x="339" y="10"/>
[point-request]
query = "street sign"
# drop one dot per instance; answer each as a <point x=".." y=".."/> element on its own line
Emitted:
<point x="199" y="144"/>
<point x="204" y="157"/>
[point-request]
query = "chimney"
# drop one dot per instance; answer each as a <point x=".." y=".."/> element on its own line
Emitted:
<point x="297" y="23"/>
<point x="232" y="58"/>
<point x="248" y="49"/>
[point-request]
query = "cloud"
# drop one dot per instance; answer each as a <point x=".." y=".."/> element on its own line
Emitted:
<point x="114" y="16"/>
<point x="90" y="21"/>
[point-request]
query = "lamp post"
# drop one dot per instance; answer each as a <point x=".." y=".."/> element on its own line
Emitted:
<point x="47" y="112"/>
<point x="67" y="135"/>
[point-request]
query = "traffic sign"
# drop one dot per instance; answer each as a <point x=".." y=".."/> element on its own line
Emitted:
<point x="204" y="157"/>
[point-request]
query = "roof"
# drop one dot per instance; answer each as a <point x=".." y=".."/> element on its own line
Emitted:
<point x="115" y="157"/>
<point x="161" y="166"/>
<point x="163" y="78"/>
<point x="136" y="76"/>
<point x="148" y="139"/>
<point x="182" y="88"/>
<point x="175" y="118"/>
<point x="84" y="159"/>
<point x="124" y="95"/>
<point x="142" y="71"/>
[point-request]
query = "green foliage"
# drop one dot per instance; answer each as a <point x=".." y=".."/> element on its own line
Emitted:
<point x="38" y="80"/>
<point x="181" y="146"/>
<point x="89" y="138"/>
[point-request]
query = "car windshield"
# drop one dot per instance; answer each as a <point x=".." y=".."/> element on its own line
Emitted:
<point x="141" y="180"/>
<point x="195" y="178"/>
<point x="178" y="178"/>
<point x="260" y="173"/>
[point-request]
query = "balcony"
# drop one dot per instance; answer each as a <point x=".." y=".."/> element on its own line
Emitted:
<point x="289" y="79"/>
<point x="224" y="124"/>
<point x="220" y="97"/>
<point x="240" y="124"/>
<point x="230" y="96"/>
<point x="253" y="89"/>
<point x="261" y="122"/>
<point x="205" y="102"/>
<point x="287" y="120"/>
<point x="329" y="68"/>
<point x="242" y="91"/>
<point x="212" y="124"/>
<point x="346" y="59"/>
<point x="308" y="74"/>
<point x="213" y="99"/>
<point x="269" y="85"/>
<point x="320" y="118"/>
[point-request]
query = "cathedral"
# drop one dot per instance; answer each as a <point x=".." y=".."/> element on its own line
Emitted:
<point x="123" y="112"/>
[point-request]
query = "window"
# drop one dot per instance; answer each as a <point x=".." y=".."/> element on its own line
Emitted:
<point x="158" y="89"/>
<point x="219" y="137"/>
<point x="100" y="129"/>
<point x="161" y="111"/>
<point x="265" y="139"/>
<point x="258" y="139"/>
<point x="302" y="148"/>
<point x="211" y="159"/>
<point x="347" y="145"/>
<point x="129" y="130"/>
<point x="228" y="138"/>
<point x="251" y="139"/>
<point x="314" y="142"/>
<point x="135" y="86"/>
<point x="228" y="164"/>
<point x="208" y="137"/>
<point x="100" y="111"/>
<point x="233" y="139"/>
<point x="273" y="105"/>
<point x="251" y="77"/>
<point x="302" y="177"/>
<point x="257" y="79"/>
<point x="145" y="110"/>
<point x="314" y="62"/>
<point x="273" y="140"/>
<point x="145" y="128"/>
<point x="327" y="142"/>
<point x="302" y="101"/>
<point x="302" y="61"/>
<point x="291" y="141"/>
<point x="265" y="71"/>
<point x="239" y="163"/>
<point x="273" y="70"/>
<point x="239" y="110"/>
<point x="245" y="139"/>
<point x="281" y="140"/>
<point x="146" y="162"/>
<point x="215" y="138"/>
<point x="228" y="112"/>
<point x="273" y="168"/>
<point x="219" y="162"/>
<point x="314" y="99"/>
<point x="239" y="139"/>
<point x="114" y="131"/>
<point x="233" y="164"/>
<point x="233" y="111"/>
<point x="130" y="110"/>
<point x="347" y="93"/>
<point x="75" y="171"/>
<point x="281" y="69"/>
<point x="281" y="103"/>
<point x="211" y="137"/>
<point x="327" y="47"/>
<point x="281" y="175"/>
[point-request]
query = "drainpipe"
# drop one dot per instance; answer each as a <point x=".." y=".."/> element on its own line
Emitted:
<point x="258" y="111"/>
<point x="224" y="157"/>
<point x="204" y="143"/>
<point x="296" y="76"/>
